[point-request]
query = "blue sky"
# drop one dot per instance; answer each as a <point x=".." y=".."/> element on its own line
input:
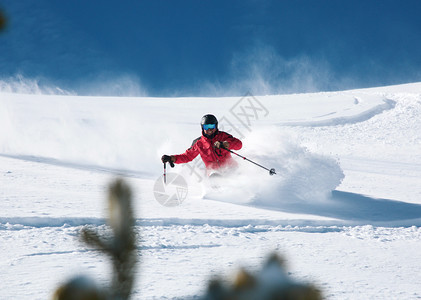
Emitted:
<point x="175" y="48"/>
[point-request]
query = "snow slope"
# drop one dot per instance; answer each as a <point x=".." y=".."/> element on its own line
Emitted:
<point x="344" y="208"/>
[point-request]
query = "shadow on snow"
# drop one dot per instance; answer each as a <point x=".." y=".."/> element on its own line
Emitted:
<point x="360" y="209"/>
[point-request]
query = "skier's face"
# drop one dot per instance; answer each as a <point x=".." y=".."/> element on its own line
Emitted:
<point x="210" y="131"/>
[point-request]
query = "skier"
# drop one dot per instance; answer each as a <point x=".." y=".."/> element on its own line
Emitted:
<point x="210" y="147"/>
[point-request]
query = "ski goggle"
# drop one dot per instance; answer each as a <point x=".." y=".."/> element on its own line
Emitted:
<point x="208" y="126"/>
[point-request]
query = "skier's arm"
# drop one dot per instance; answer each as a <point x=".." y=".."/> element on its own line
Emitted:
<point x="187" y="156"/>
<point x="233" y="143"/>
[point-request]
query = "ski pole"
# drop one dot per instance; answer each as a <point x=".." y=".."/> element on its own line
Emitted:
<point x="165" y="170"/>
<point x="165" y="173"/>
<point x="271" y="171"/>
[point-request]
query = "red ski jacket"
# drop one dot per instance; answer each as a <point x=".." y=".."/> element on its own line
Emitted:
<point x="212" y="157"/>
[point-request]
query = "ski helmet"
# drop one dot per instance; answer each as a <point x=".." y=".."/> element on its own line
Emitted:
<point x="209" y="119"/>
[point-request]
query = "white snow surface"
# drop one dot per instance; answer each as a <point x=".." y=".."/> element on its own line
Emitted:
<point x="344" y="208"/>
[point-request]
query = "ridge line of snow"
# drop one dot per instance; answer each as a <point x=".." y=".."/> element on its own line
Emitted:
<point x="364" y="116"/>
<point x="302" y="225"/>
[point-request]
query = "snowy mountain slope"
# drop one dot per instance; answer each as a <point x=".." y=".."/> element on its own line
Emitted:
<point x="346" y="197"/>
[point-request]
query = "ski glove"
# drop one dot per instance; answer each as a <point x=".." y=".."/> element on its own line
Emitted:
<point x="168" y="158"/>
<point x="223" y="145"/>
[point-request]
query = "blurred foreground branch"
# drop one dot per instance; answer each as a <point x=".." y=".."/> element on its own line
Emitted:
<point x="271" y="283"/>
<point x="121" y="248"/>
<point x="3" y="20"/>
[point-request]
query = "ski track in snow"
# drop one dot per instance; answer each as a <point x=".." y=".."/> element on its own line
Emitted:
<point x="368" y="226"/>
